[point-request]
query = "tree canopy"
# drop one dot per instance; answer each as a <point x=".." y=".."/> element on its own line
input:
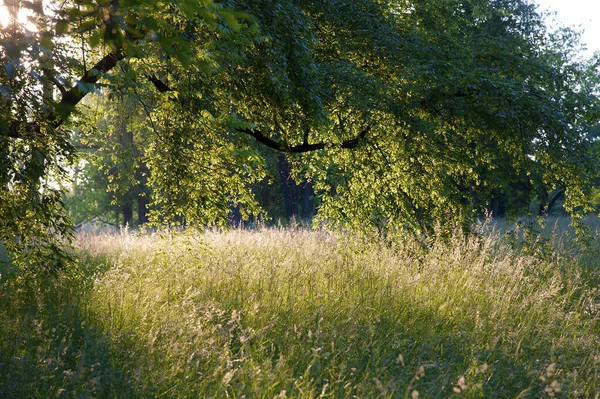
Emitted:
<point x="399" y="112"/>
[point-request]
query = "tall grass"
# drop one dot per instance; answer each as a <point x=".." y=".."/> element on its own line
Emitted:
<point x="295" y="313"/>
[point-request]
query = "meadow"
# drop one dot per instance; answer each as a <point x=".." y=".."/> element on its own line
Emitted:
<point x="274" y="313"/>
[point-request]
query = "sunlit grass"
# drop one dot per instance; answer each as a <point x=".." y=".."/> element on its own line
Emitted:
<point x="295" y="313"/>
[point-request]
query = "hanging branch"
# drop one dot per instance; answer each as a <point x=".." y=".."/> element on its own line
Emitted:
<point x="305" y="146"/>
<point x="162" y="87"/>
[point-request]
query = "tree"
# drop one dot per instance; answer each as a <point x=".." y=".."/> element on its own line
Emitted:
<point x="111" y="179"/>
<point x="404" y="111"/>
<point x="35" y="141"/>
<point x="452" y="101"/>
<point x="482" y="91"/>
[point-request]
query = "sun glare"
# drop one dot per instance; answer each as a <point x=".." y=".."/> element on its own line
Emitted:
<point x="22" y="17"/>
<point x="4" y="16"/>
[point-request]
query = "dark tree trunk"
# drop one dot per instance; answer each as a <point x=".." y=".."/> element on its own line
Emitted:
<point x="127" y="201"/>
<point x="142" y="210"/>
<point x="142" y="194"/>
<point x="127" y="210"/>
<point x="554" y="198"/>
<point x="235" y="217"/>
<point x="288" y="188"/>
<point x="307" y="203"/>
<point x="496" y="208"/>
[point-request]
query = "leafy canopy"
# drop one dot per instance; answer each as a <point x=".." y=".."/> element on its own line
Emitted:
<point x="401" y="112"/>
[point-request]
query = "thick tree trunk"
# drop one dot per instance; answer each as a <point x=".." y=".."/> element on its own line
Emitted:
<point x="307" y="203"/>
<point x="496" y="208"/>
<point x="235" y="217"/>
<point x="288" y="188"/>
<point x="127" y="210"/>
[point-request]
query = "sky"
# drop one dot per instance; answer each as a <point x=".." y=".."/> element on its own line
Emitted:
<point x="578" y="12"/>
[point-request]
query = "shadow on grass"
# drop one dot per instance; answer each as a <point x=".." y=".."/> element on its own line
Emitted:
<point x="47" y="348"/>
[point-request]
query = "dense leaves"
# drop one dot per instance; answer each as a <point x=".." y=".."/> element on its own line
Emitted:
<point x="49" y="65"/>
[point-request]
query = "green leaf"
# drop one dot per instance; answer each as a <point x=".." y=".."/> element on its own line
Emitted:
<point x="47" y="43"/>
<point x="61" y="26"/>
<point x="96" y="37"/>
<point x="230" y="17"/>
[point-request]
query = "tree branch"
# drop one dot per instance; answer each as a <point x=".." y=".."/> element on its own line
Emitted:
<point x="19" y="129"/>
<point x="306" y="133"/>
<point x="269" y="142"/>
<point x="305" y="146"/>
<point x="159" y="84"/>
<point x="49" y="74"/>
<point x="72" y="97"/>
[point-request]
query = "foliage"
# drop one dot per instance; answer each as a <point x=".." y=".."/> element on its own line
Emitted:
<point x="407" y="111"/>
<point x="111" y="172"/>
<point x="89" y="201"/>
<point x="75" y="46"/>
<point x="301" y="314"/>
<point x="479" y="104"/>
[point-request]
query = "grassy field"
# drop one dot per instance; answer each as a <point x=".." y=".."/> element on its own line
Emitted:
<point x="294" y="313"/>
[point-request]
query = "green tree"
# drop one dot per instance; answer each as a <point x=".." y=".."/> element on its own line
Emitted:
<point x="111" y="176"/>
<point x="76" y="46"/>
<point x="405" y="112"/>
<point x="480" y="91"/>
